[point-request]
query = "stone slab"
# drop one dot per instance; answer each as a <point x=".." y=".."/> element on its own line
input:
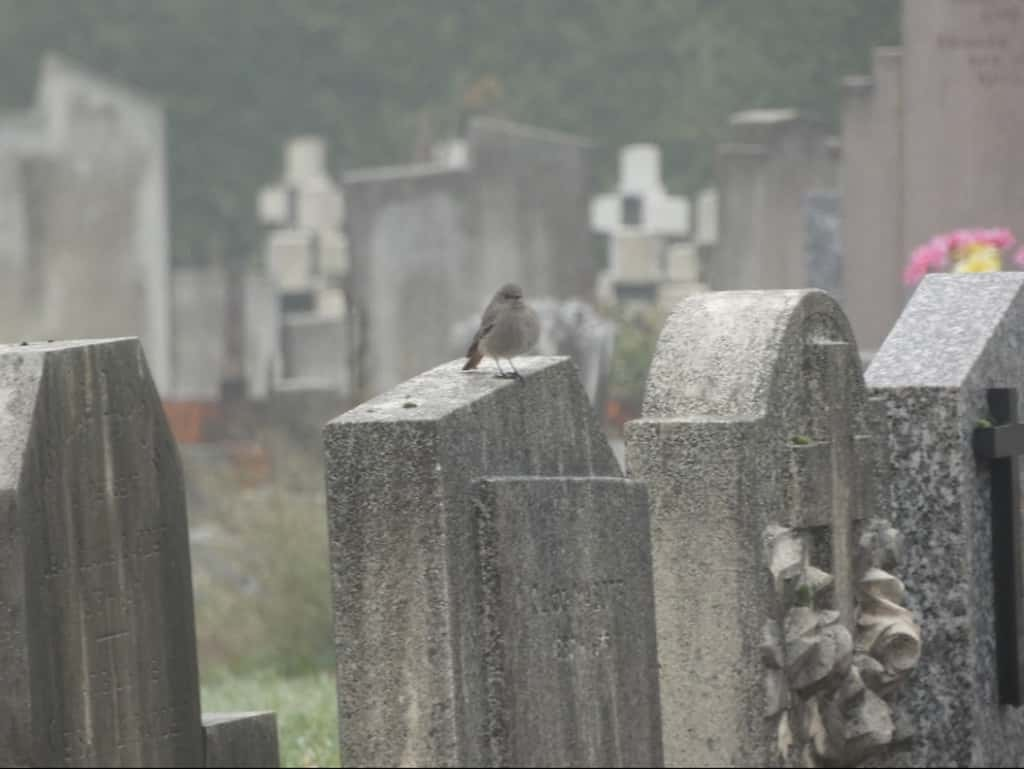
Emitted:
<point x="403" y="555"/>
<point x="754" y="404"/>
<point x="97" y="641"/>
<point x="244" y="740"/>
<point x="568" y="608"/>
<point x="958" y="336"/>
<point x="963" y="97"/>
<point x="871" y="216"/>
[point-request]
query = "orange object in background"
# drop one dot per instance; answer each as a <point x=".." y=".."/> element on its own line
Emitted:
<point x="189" y="420"/>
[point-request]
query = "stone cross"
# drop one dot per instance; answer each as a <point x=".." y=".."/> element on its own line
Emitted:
<point x="757" y="434"/>
<point x="97" y="636"/>
<point x="959" y="337"/>
<point x="492" y="578"/>
<point x="640" y="218"/>
<point x="312" y="329"/>
<point x="305" y="198"/>
<point x="306" y="210"/>
<point x="640" y="205"/>
<point x="1001" y="444"/>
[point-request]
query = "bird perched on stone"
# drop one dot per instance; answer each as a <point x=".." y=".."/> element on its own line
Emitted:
<point x="509" y="327"/>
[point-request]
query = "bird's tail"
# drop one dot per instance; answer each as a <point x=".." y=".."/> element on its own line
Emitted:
<point x="475" y="356"/>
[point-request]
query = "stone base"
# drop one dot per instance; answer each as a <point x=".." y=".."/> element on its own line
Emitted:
<point x="240" y="739"/>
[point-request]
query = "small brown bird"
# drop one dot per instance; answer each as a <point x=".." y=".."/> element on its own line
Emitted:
<point x="509" y="327"/>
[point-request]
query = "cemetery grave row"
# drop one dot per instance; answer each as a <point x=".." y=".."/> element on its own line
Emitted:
<point x="806" y="564"/>
<point x="803" y="565"/>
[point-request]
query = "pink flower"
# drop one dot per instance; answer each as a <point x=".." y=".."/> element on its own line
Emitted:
<point x="931" y="256"/>
<point x="960" y="239"/>
<point x="941" y="244"/>
<point x="1019" y="258"/>
<point x="913" y="274"/>
<point x="999" y="237"/>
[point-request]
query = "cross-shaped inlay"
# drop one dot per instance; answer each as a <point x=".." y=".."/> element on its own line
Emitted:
<point x="999" y="445"/>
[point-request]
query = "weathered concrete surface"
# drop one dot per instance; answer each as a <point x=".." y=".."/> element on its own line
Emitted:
<point x="755" y="414"/>
<point x="568" y="605"/>
<point x="97" y="642"/>
<point x="403" y="551"/>
<point x="97" y="636"/>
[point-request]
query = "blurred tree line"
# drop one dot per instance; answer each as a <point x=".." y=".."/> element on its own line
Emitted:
<point x="382" y="79"/>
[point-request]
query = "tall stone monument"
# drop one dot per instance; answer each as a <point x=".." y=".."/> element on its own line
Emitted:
<point x="83" y="216"/>
<point x="963" y="102"/>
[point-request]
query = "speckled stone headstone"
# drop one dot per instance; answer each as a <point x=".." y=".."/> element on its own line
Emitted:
<point x="97" y="641"/>
<point x="430" y="664"/>
<point x="755" y="414"/>
<point x="959" y="336"/>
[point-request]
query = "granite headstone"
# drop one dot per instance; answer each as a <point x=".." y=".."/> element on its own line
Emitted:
<point x="959" y="336"/>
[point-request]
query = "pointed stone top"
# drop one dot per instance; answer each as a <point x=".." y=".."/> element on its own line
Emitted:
<point x="953" y="326"/>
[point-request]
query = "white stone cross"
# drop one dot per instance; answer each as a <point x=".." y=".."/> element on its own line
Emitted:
<point x="307" y="210"/>
<point x="306" y="198"/>
<point x="640" y="205"/>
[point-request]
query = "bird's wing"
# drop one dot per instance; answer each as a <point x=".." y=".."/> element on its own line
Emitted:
<point x="484" y="330"/>
<point x="486" y="324"/>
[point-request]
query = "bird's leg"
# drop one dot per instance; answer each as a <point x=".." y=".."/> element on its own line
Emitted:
<point x="515" y="373"/>
<point x="501" y="374"/>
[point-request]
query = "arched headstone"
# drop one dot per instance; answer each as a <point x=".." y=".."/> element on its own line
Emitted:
<point x="759" y="447"/>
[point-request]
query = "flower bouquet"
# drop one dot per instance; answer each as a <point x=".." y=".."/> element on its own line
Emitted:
<point x="979" y="250"/>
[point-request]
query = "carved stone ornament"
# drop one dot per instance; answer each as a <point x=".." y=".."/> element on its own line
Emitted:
<point x="825" y="684"/>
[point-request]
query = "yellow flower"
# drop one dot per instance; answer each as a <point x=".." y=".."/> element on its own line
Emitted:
<point x="979" y="257"/>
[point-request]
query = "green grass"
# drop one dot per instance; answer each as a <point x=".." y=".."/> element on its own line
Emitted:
<point x="307" y="716"/>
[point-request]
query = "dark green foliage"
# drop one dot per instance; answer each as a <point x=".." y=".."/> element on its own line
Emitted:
<point x="382" y="78"/>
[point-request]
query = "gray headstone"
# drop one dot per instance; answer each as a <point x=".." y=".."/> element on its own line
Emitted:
<point x="771" y="159"/>
<point x="88" y="250"/>
<point x="568" y="607"/>
<point x="871" y="184"/>
<point x="315" y="351"/>
<point x="755" y="416"/>
<point x="199" y="303"/>
<point x="412" y="688"/>
<point x="99" y="656"/>
<point x="959" y="335"/>
<point x="824" y="252"/>
<point x="431" y="242"/>
<point x="97" y="637"/>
